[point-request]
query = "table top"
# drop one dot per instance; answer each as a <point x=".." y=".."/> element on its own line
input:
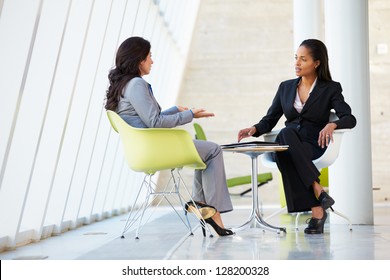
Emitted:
<point x="259" y="149"/>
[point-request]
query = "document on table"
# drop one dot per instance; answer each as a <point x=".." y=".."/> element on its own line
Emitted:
<point x="253" y="144"/>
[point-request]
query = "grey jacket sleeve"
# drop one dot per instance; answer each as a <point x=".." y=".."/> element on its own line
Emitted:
<point x="148" y="108"/>
<point x="170" y="111"/>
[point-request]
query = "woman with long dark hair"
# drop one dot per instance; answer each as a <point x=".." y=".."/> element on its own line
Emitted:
<point x="306" y="102"/>
<point x="132" y="98"/>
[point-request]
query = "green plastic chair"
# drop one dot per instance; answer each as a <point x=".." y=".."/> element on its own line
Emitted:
<point x="262" y="178"/>
<point x="150" y="150"/>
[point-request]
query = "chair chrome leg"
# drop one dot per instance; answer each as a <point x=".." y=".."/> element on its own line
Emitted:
<point x="297" y="221"/>
<point x="133" y="213"/>
<point x="177" y="186"/>
<point x="342" y="216"/>
<point x="204" y="224"/>
<point x="172" y="188"/>
<point x="145" y="205"/>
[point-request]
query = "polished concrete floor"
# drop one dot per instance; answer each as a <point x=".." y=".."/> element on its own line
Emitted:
<point x="164" y="237"/>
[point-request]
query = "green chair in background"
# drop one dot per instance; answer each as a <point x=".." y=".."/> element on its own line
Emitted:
<point x="262" y="178"/>
<point x="150" y="150"/>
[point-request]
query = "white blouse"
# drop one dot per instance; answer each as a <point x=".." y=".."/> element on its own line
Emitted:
<point x="298" y="105"/>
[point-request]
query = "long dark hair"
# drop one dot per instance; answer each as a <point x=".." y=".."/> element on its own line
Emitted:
<point x="128" y="58"/>
<point x="319" y="52"/>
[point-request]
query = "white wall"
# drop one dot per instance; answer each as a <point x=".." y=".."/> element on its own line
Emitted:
<point x="61" y="164"/>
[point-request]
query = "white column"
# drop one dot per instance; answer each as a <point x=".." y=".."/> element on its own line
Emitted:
<point x="346" y="33"/>
<point x="307" y="21"/>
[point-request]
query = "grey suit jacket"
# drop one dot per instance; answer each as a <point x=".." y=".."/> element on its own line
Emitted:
<point x="139" y="108"/>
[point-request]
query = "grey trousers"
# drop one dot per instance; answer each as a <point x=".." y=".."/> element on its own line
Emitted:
<point x="210" y="183"/>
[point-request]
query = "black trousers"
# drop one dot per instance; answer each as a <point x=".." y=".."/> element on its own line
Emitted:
<point x="297" y="169"/>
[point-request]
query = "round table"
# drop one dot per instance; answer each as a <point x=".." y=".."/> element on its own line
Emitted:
<point x="255" y="219"/>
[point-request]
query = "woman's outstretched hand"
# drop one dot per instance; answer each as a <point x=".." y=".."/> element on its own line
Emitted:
<point x="246" y="132"/>
<point x="201" y="113"/>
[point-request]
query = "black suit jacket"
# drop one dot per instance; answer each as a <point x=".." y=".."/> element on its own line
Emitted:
<point x="315" y="114"/>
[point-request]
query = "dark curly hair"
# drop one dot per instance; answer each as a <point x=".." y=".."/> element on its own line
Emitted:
<point x="130" y="54"/>
<point x="319" y="52"/>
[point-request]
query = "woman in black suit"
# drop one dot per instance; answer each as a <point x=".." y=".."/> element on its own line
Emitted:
<point x="306" y="103"/>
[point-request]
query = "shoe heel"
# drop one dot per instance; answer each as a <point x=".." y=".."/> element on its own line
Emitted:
<point x="220" y="231"/>
<point x="202" y="224"/>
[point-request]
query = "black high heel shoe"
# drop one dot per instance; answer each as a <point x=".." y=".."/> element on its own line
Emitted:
<point x="220" y="231"/>
<point x="201" y="210"/>
<point x="326" y="200"/>
<point x="316" y="226"/>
